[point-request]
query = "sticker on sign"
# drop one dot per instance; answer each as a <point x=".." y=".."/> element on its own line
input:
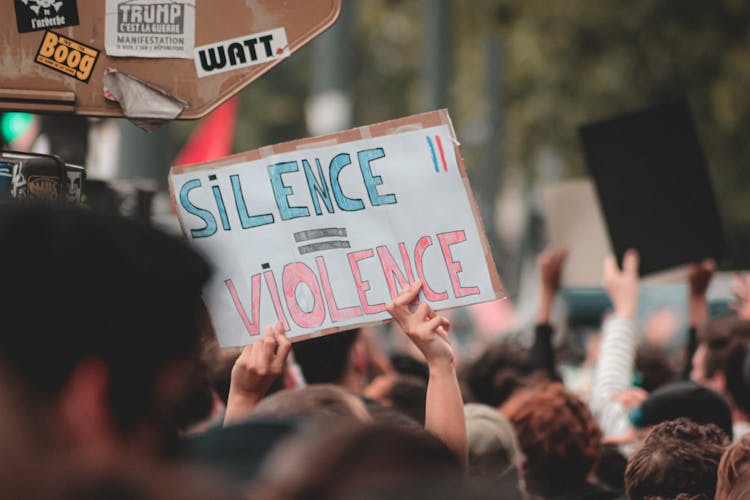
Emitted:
<point x="144" y="28"/>
<point x="33" y="15"/>
<point x="67" y="56"/>
<point x="241" y="52"/>
<point x="322" y="234"/>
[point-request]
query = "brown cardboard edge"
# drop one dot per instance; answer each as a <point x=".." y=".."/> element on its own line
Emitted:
<point x="497" y="285"/>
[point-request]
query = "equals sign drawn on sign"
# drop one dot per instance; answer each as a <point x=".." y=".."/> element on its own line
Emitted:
<point x="317" y="234"/>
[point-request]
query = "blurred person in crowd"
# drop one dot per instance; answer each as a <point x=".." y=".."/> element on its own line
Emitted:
<point x="352" y="460"/>
<point x="683" y="399"/>
<point x="614" y="367"/>
<point x="333" y="359"/>
<point x="609" y="468"/>
<point x="100" y="326"/>
<point x="733" y="481"/>
<point x="677" y="457"/>
<point x="494" y="453"/>
<point x="317" y="401"/>
<point x="407" y="394"/>
<point x="652" y="368"/>
<point x="614" y="402"/>
<point x="718" y="363"/>
<point x="505" y="367"/>
<point x="101" y="343"/>
<point x="560" y="441"/>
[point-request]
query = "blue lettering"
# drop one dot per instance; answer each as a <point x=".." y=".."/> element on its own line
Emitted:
<point x="222" y="210"/>
<point x="281" y="191"/>
<point x="373" y="181"/>
<point x="210" y="228"/>
<point x="349" y="204"/>
<point x="318" y="188"/>
<point x="246" y="220"/>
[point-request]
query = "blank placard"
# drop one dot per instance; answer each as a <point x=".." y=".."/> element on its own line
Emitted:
<point x="654" y="188"/>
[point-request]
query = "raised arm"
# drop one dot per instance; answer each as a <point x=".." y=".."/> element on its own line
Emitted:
<point x="699" y="277"/>
<point x="614" y="367"/>
<point x="542" y="355"/>
<point x="254" y="371"/>
<point x="444" y="411"/>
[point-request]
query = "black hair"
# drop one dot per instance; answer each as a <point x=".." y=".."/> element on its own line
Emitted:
<point x="76" y="285"/>
<point x="323" y="360"/>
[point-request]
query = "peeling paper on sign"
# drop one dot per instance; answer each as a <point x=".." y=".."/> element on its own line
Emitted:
<point x="144" y="104"/>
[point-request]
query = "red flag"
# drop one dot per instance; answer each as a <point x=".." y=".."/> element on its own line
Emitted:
<point x="212" y="139"/>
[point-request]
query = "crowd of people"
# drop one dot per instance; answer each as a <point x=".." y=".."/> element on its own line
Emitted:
<point x="114" y="387"/>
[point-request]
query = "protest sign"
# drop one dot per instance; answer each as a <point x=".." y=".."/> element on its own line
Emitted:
<point x="321" y="233"/>
<point x="574" y="220"/>
<point x="654" y="186"/>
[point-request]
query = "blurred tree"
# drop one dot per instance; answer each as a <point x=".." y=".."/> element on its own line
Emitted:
<point x="574" y="61"/>
<point x="565" y="63"/>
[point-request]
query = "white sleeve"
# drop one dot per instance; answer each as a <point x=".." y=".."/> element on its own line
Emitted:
<point x="613" y="375"/>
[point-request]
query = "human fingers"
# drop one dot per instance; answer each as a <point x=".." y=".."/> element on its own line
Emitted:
<point x="283" y="349"/>
<point x="630" y="262"/>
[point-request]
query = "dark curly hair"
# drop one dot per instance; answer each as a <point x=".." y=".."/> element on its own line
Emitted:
<point x="558" y="436"/>
<point x="678" y="457"/>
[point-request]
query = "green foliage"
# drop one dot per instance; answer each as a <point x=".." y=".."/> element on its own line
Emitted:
<point x="564" y="63"/>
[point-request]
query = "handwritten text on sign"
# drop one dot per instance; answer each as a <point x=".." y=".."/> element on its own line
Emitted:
<point x="324" y="238"/>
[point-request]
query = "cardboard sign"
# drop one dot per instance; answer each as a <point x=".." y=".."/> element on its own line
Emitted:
<point x="156" y="56"/>
<point x="654" y="188"/>
<point x="67" y="56"/>
<point x="573" y="219"/>
<point x="34" y="15"/>
<point x="322" y="233"/>
<point x="147" y="28"/>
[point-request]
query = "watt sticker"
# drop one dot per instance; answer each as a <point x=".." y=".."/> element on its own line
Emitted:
<point x="241" y="52"/>
<point x="67" y="56"/>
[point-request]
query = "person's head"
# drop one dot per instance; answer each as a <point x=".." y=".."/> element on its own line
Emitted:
<point x="609" y="468"/>
<point x="350" y="461"/>
<point x="558" y="436"/>
<point x="403" y="393"/>
<point x="322" y="401"/>
<point x="677" y="457"/>
<point x="652" y="368"/>
<point x="493" y="447"/>
<point x="338" y="358"/>
<point x="497" y="373"/>
<point x="683" y="399"/>
<point x="716" y="342"/>
<point x="733" y="482"/>
<point x="100" y="321"/>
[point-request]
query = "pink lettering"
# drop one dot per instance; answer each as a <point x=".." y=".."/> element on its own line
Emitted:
<point x="430" y="294"/>
<point x="391" y="270"/>
<point x="454" y="267"/>
<point x="251" y="326"/>
<point x="333" y="309"/>
<point x="271" y="283"/>
<point x="294" y="275"/>
<point x="363" y="285"/>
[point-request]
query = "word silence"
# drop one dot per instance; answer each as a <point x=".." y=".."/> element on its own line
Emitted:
<point x="322" y="237"/>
